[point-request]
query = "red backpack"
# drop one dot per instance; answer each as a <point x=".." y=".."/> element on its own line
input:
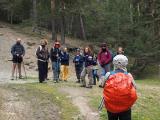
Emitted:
<point x="119" y="92"/>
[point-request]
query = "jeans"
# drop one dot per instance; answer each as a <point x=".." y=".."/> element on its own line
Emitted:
<point x="95" y="76"/>
<point x="105" y="69"/>
<point x="120" y="116"/>
<point x="56" y="70"/>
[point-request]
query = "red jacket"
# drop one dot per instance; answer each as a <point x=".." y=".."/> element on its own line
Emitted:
<point x="104" y="57"/>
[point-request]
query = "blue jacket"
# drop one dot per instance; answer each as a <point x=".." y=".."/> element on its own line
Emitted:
<point x="78" y="60"/>
<point x="17" y="49"/>
<point x="64" y="58"/>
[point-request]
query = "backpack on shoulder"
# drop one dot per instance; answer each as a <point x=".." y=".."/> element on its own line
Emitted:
<point x="119" y="92"/>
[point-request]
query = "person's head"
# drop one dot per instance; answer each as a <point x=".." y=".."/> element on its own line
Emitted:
<point x="18" y="41"/>
<point x="57" y="44"/>
<point x="78" y="51"/>
<point x="120" y="62"/>
<point x="43" y="43"/>
<point x="46" y="41"/>
<point x="104" y="47"/>
<point x="65" y="49"/>
<point x="87" y="50"/>
<point x="120" y="50"/>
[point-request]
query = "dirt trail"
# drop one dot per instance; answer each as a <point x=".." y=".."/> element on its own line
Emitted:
<point x="12" y="108"/>
<point x="18" y="104"/>
<point x="79" y="98"/>
<point x="18" y="108"/>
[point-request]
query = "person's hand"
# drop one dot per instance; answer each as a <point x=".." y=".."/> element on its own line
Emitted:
<point x="22" y="56"/>
<point x="17" y="55"/>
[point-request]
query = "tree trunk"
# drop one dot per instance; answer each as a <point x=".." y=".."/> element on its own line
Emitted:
<point x="54" y="37"/>
<point x="63" y="24"/>
<point x="34" y="15"/>
<point x="83" y="34"/>
<point x="11" y="17"/>
<point x="131" y="13"/>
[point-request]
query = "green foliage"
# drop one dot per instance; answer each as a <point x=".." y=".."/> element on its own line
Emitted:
<point x="133" y="24"/>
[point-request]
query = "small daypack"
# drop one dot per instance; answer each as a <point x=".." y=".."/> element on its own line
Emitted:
<point x="119" y="92"/>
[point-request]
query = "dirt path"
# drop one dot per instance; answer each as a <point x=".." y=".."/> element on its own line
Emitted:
<point x="18" y="104"/>
<point x="79" y="98"/>
<point x="17" y="108"/>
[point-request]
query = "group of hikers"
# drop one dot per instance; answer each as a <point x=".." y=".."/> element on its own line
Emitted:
<point x="119" y="89"/>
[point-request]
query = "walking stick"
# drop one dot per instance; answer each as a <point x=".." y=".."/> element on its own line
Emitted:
<point x="101" y="104"/>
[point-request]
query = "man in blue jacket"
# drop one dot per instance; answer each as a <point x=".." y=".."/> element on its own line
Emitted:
<point x="18" y="53"/>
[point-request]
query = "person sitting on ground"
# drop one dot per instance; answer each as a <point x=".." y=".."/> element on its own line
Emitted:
<point x="55" y="54"/>
<point x="42" y="59"/>
<point x="64" y="64"/>
<point x="119" y="92"/>
<point x="78" y="61"/>
<point x="18" y="52"/>
<point x="89" y="62"/>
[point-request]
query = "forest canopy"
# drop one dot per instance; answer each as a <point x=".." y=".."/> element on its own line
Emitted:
<point x="133" y="24"/>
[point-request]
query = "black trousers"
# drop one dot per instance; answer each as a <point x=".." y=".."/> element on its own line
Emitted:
<point x="46" y="68"/>
<point x="42" y="71"/>
<point x="78" y="71"/>
<point x="120" y="116"/>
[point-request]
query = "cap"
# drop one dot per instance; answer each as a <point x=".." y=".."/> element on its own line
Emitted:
<point x="120" y="60"/>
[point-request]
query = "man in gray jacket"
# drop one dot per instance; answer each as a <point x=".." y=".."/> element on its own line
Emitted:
<point x="18" y="53"/>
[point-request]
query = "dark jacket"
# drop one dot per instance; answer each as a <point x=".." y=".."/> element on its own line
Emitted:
<point x="78" y="60"/>
<point x="89" y="60"/>
<point x="42" y="54"/>
<point x="55" y="54"/>
<point x="17" y="49"/>
<point x="64" y="58"/>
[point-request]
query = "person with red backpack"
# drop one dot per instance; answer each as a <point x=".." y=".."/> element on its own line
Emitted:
<point x="119" y="92"/>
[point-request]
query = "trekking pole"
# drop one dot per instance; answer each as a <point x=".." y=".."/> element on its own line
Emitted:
<point x="101" y="104"/>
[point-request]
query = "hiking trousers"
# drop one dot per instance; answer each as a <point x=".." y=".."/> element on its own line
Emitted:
<point x="56" y="70"/>
<point x="42" y="70"/>
<point x="78" y="70"/>
<point x="87" y="71"/>
<point x="64" y="72"/>
<point x="120" y="116"/>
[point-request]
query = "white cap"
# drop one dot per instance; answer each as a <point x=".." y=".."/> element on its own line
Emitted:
<point x="120" y="61"/>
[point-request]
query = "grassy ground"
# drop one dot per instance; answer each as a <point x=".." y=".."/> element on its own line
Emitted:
<point x="147" y="106"/>
<point x="50" y="94"/>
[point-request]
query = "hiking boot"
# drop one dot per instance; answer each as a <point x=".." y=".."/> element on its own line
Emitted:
<point x="21" y="77"/>
<point x="88" y="86"/>
<point x="78" y="81"/>
<point x="12" y="78"/>
<point x="82" y="86"/>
